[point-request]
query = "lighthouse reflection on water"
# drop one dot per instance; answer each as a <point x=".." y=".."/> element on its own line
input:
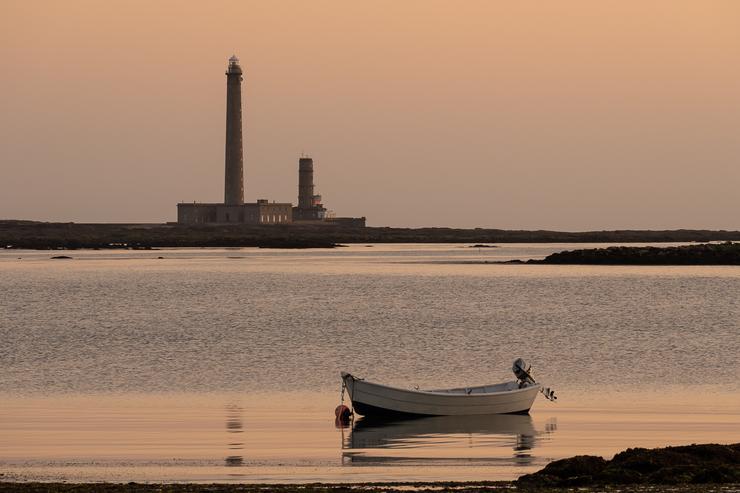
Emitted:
<point x="234" y="428"/>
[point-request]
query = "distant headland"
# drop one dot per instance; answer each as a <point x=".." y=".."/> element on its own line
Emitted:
<point x="48" y="235"/>
<point x="703" y="254"/>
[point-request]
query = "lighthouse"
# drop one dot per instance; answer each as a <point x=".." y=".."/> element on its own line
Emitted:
<point x="233" y="210"/>
<point x="234" y="175"/>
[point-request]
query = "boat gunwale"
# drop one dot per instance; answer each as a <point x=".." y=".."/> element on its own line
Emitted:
<point x="443" y="392"/>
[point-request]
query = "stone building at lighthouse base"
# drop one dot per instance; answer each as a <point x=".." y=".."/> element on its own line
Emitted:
<point x="260" y="212"/>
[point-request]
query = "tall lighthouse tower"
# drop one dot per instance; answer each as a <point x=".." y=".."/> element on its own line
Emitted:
<point x="234" y="177"/>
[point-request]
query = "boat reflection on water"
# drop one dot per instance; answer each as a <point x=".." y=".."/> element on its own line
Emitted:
<point x="493" y="439"/>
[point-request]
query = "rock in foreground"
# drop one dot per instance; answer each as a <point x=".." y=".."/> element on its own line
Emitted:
<point x="690" y="464"/>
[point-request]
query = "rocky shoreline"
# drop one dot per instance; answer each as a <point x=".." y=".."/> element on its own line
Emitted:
<point x="45" y="236"/>
<point x="689" y="464"/>
<point x="727" y="253"/>
<point x="438" y="487"/>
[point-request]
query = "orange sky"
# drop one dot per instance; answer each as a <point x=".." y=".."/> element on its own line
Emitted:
<point x="561" y="115"/>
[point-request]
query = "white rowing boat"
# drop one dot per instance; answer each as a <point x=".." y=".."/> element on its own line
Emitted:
<point x="516" y="397"/>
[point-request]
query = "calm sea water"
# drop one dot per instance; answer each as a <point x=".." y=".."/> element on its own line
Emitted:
<point x="222" y="365"/>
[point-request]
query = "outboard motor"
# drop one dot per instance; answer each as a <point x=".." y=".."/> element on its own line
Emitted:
<point x="521" y="369"/>
<point x="524" y="378"/>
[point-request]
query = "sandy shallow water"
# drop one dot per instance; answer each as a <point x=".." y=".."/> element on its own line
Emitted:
<point x="223" y="365"/>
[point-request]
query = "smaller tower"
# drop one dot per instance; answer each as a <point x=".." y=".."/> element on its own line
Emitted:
<point x="305" y="183"/>
<point x="309" y="207"/>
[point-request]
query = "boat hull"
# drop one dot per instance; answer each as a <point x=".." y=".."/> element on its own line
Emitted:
<point x="371" y="399"/>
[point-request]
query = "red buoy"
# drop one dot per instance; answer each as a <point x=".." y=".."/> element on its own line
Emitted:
<point x="343" y="415"/>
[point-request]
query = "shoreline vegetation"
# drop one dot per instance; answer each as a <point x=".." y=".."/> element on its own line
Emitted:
<point x="35" y="235"/>
<point x="682" y="469"/>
